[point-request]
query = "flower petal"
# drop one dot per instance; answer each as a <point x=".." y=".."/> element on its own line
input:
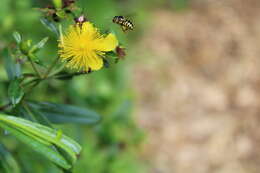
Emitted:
<point x="83" y="46"/>
<point x="94" y="62"/>
<point x="107" y="43"/>
<point x="88" y="30"/>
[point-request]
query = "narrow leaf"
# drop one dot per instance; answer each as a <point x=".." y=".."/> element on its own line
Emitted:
<point x="17" y="37"/>
<point x="39" y="147"/>
<point x="62" y="113"/>
<point x="38" y="115"/>
<point x="39" y="45"/>
<point x="35" y="59"/>
<point x="51" y="26"/>
<point x="15" y="92"/>
<point x="44" y="133"/>
<point x="13" y="69"/>
<point x="57" y="4"/>
<point x="7" y="161"/>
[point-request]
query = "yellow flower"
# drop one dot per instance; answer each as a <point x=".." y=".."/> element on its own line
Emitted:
<point x="82" y="47"/>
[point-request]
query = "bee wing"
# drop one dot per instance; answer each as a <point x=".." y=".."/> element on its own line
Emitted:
<point x="131" y="15"/>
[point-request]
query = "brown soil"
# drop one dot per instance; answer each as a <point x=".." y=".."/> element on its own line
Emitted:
<point x="199" y="87"/>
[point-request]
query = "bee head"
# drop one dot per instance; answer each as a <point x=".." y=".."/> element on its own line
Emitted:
<point x="117" y="18"/>
<point x="114" y="19"/>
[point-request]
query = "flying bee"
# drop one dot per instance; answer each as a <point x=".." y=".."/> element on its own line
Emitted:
<point x="124" y="23"/>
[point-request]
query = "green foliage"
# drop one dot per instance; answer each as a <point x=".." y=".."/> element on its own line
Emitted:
<point x="17" y="37"/>
<point x="51" y="26"/>
<point x="43" y="101"/>
<point x="39" y="45"/>
<point x="61" y="113"/>
<point x="15" y="92"/>
<point x="12" y="68"/>
<point x="8" y="163"/>
<point x="42" y="139"/>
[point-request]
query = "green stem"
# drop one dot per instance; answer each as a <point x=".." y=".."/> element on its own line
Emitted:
<point x="50" y="68"/>
<point x="9" y="104"/>
<point x="29" y="111"/>
<point x="35" y="84"/>
<point x="69" y="75"/>
<point x="38" y="80"/>
<point x="35" y="81"/>
<point x="34" y="68"/>
<point x="28" y="75"/>
<point x="31" y="81"/>
<point x="5" y="106"/>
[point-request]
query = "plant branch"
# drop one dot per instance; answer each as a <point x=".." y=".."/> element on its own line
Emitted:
<point x="34" y="68"/>
<point x="29" y="111"/>
<point x="70" y="75"/>
<point x="51" y="67"/>
<point x="35" y="84"/>
<point x="5" y="106"/>
<point x="28" y="83"/>
<point x="31" y="81"/>
<point x="28" y="75"/>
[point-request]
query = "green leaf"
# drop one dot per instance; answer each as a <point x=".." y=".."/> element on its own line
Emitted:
<point x="17" y="37"/>
<point x="106" y="63"/>
<point x="29" y="113"/>
<point x="15" y="92"/>
<point x="39" y="45"/>
<point x="51" y="26"/>
<point x="57" y="4"/>
<point x="62" y="113"/>
<point x="38" y="116"/>
<point x="111" y="54"/>
<point x="25" y="46"/>
<point x="63" y="75"/>
<point x="7" y="162"/>
<point x="43" y="135"/>
<point x="34" y="58"/>
<point x="13" y="70"/>
<point x="48" y="151"/>
<point x="44" y="132"/>
<point x="20" y="111"/>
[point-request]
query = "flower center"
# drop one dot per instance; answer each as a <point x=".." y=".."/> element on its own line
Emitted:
<point x="84" y="45"/>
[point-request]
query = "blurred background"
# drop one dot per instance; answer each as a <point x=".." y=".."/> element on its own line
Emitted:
<point x="185" y="100"/>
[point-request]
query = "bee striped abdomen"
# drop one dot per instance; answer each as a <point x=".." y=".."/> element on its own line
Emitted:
<point x="128" y="24"/>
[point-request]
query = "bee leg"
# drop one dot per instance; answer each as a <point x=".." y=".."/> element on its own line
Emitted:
<point x="124" y="28"/>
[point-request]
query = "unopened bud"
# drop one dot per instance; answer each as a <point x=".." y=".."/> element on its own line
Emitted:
<point x="120" y="52"/>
